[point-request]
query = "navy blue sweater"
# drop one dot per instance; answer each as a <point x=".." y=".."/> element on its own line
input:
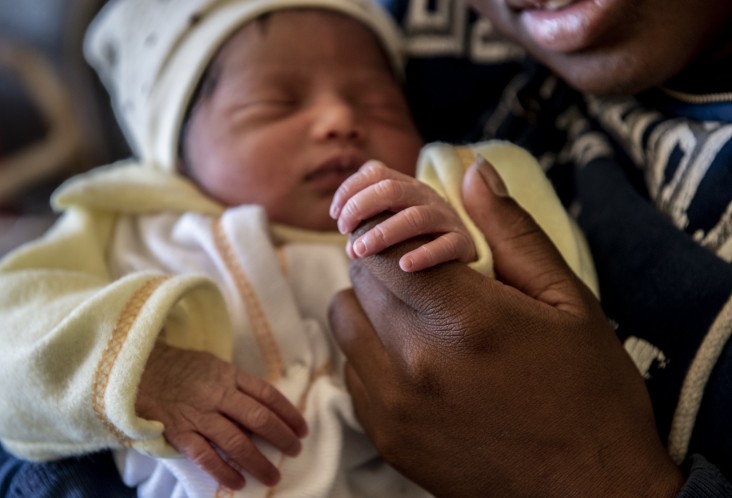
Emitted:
<point x="650" y="179"/>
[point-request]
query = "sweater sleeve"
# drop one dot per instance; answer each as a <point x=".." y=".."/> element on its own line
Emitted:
<point x="75" y="341"/>
<point x="704" y="480"/>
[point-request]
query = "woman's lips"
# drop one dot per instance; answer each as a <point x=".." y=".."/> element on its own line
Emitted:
<point x="566" y="25"/>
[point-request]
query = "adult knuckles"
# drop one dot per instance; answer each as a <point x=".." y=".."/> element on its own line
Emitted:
<point x="447" y="303"/>
<point x="451" y="315"/>
<point x="390" y="443"/>
<point x="425" y="380"/>
<point x="396" y="420"/>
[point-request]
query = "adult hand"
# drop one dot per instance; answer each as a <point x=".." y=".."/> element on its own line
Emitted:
<point x="509" y="387"/>
<point x="206" y="403"/>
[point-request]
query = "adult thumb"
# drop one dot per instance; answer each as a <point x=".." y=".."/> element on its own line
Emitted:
<point x="523" y="255"/>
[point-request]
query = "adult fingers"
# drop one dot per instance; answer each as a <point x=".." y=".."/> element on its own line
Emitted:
<point x="430" y="294"/>
<point x="426" y="307"/>
<point x="371" y="371"/>
<point x="354" y="334"/>
<point x="523" y="255"/>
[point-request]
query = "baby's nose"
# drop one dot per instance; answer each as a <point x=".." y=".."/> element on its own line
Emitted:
<point x="338" y="120"/>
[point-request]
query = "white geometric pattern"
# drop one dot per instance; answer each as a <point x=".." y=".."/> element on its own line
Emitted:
<point x="440" y="28"/>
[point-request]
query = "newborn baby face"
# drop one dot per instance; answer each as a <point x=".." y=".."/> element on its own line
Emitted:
<point x="297" y="103"/>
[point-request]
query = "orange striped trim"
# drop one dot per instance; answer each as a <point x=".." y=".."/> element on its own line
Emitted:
<point x="121" y="330"/>
<point x="282" y="259"/>
<point x="465" y="155"/>
<point x="325" y="369"/>
<point x="260" y="325"/>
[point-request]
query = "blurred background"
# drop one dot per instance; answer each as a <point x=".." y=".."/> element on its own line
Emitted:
<point x="55" y="117"/>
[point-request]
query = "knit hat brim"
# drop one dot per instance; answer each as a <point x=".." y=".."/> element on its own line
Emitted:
<point x="151" y="54"/>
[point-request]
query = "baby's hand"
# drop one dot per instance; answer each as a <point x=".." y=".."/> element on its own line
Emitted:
<point x="418" y="209"/>
<point x="211" y="410"/>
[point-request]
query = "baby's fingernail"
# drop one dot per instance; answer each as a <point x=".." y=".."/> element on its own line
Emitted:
<point x="406" y="264"/>
<point x="349" y="250"/>
<point x="359" y="248"/>
<point x="342" y="226"/>
<point x="334" y="211"/>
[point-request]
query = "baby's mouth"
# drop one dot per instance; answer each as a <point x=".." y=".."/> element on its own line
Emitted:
<point x="341" y="165"/>
<point x="332" y="172"/>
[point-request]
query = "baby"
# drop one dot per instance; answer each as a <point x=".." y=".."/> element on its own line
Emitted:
<point x="184" y="293"/>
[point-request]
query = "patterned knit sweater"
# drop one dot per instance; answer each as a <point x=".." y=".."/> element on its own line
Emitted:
<point x="650" y="180"/>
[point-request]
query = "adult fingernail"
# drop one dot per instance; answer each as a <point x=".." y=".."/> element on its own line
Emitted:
<point x="491" y="177"/>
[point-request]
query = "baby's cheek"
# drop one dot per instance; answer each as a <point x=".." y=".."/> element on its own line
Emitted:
<point x="406" y="154"/>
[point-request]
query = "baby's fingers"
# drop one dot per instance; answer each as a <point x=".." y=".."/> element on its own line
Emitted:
<point x="240" y="451"/>
<point x="267" y="395"/>
<point x="451" y="246"/>
<point x="199" y="451"/>
<point x="369" y="174"/>
<point x="261" y="421"/>
<point x="404" y="225"/>
<point x="390" y="195"/>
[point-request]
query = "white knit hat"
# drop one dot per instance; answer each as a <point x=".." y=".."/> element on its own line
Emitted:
<point x="150" y="55"/>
